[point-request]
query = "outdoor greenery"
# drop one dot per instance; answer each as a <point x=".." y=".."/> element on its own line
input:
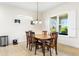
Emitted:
<point x="64" y="30"/>
<point x="53" y="30"/>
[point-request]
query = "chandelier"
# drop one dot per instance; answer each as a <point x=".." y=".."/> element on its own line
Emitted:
<point x="36" y="21"/>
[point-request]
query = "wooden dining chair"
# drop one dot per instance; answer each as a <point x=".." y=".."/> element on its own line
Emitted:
<point x="40" y="44"/>
<point x="37" y="44"/>
<point x="53" y="42"/>
<point x="31" y="40"/>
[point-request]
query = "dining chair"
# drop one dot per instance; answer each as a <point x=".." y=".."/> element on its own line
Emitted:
<point x="28" y="37"/>
<point x="46" y="33"/>
<point x="53" y="42"/>
<point x="40" y="44"/>
<point x="31" y="40"/>
<point x="37" y="44"/>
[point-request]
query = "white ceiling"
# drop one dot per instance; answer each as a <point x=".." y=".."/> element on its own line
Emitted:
<point x="42" y="6"/>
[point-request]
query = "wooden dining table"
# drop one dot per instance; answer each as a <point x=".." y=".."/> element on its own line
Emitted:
<point x="43" y="38"/>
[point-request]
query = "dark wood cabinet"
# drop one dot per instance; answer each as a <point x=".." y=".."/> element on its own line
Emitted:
<point x="3" y="40"/>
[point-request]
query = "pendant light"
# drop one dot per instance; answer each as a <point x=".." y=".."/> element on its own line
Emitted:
<point x="37" y="21"/>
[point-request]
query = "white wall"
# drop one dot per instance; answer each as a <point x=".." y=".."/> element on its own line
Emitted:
<point x="38" y="28"/>
<point x="65" y="7"/>
<point x="14" y="30"/>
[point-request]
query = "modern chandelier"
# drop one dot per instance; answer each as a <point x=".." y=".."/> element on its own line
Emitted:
<point x="36" y="21"/>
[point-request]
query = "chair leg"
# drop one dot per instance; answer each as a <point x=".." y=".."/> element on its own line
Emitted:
<point x="56" y="50"/>
<point x="35" y="49"/>
<point x="47" y="48"/>
<point x="43" y="50"/>
<point x="31" y="47"/>
<point x="27" y="43"/>
<point x="50" y="52"/>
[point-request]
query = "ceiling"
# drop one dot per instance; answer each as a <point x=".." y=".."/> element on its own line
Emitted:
<point x="42" y="6"/>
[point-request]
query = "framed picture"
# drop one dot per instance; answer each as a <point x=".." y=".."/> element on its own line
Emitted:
<point x="17" y="21"/>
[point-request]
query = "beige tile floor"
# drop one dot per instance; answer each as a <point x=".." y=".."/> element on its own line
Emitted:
<point x="21" y="50"/>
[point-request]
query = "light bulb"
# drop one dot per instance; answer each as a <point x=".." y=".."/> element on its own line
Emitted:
<point x="40" y="22"/>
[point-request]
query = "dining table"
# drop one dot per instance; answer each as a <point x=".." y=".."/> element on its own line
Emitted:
<point x="43" y="38"/>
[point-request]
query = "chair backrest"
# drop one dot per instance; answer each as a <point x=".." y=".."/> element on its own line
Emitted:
<point x="28" y="33"/>
<point x="54" y="37"/>
<point x="31" y="36"/>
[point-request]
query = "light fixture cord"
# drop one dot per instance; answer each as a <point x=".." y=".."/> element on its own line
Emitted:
<point x="37" y="11"/>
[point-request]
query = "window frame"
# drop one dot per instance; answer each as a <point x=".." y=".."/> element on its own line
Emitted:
<point x="57" y="24"/>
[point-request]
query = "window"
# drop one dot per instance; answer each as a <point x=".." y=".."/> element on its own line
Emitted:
<point x="59" y="24"/>
<point x="63" y="27"/>
<point x="53" y="24"/>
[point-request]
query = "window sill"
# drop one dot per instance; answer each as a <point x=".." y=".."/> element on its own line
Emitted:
<point x="63" y="35"/>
